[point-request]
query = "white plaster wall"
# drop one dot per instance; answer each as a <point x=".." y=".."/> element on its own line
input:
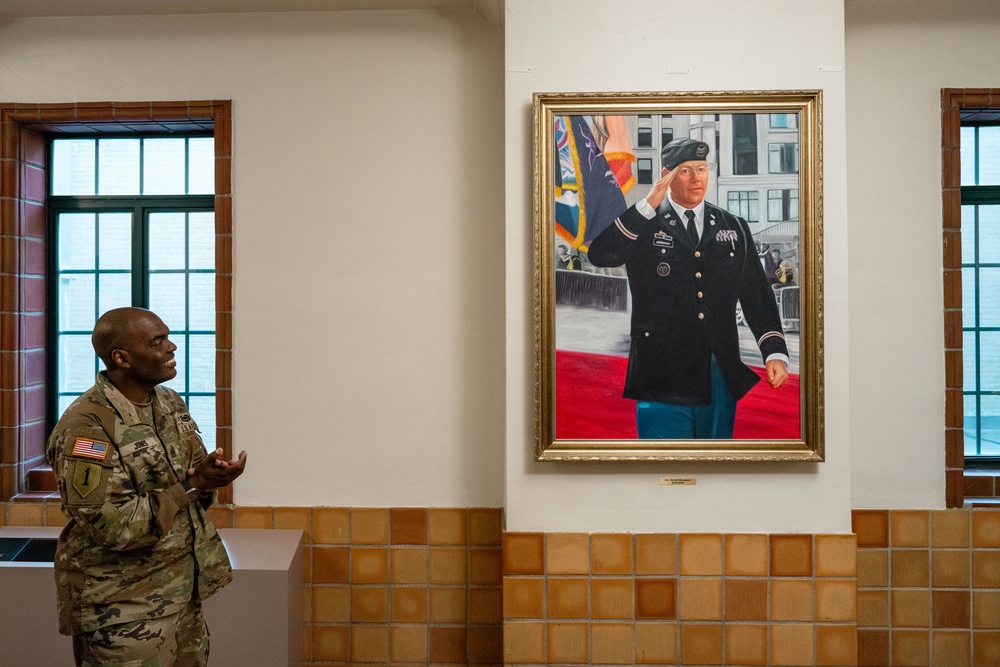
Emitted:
<point x="629" y="45"/>
<point x="900" y="54"/>
<point x="368" y="361"/>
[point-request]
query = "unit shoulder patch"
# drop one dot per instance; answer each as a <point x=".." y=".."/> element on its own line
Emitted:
<point x="87" y="478"/>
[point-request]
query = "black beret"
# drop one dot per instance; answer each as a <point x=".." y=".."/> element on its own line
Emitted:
<point x="682" y="150"/>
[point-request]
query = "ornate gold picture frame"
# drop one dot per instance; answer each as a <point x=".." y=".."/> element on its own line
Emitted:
<point x="678" y="276"/>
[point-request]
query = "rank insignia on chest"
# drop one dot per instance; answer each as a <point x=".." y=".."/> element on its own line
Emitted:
<point x="185" y="424"/>
<point x="663" y="240"/>
<point x="90" y="449"/>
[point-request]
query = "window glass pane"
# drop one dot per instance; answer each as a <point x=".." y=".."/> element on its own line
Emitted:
<point x="167" y="299"/>
<point x="203" y="412"/>
<point x="989" y="234"/>
<point x="968" y="297"/>
<point x="64" y="401"/>
<point x="989" y="360"/>
<point x="202" y="301"/>
<point x="118" y="167"/>
<point x="179" y="383"/>
<point x="989" y="297"/>
<point x="968" y="234"/>
<point x="77" y="361"/>
<point x="969" y="360"/>
<point x="166" y="241"/>
<point x="201" y="166"/>
<point x="73" y="162"/>
<point x="115" y="291"/>
<point x="989" y="156"/>
<point x="989" y="443"/>
<point x="201" y="252"/>
<point x="76" y="241"/>
<point x="115" y="246"/>
<point x="76" y="302"/>
<point x="163" y="167"/>
<point x="968" y="153"/>
<point x="793" y="204"/>
<point x="201" y="360"/>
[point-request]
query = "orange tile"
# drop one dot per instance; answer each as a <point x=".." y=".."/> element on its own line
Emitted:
<point x="910" y="568"/>
<point x="986" y="610"/>
<point x="369" y="566"/>
<point x="331" y="525"/>
<point x="485" y="526"/>
<point x="370" y="643"/>
<point x="873" y="567"/>
<point x="611" y="553"/>
<point x="656" y="643"/>
<point x="331" y="642"/>
<point x="791" y="644"/>
<point x="951" y="648"/>
<point x="331" y="565"/>
<point x="523" y="597"/>
<point x="951" y="609"/>
<point x="873" y="647"/>
<point x="873" y="608"/>
<point x="294" y="518"/>
<point x="369" y="525"/>
<point x="254" y="517"/>
<point x="369" y="604"/>
<point x="910" y="608"/>
<point x="909" y="528"/>
<point x="701" y="644"/>
<point x="950" y="568"/>
<point x="408" y="643"/>
<point x="986" y="649"/>
<point x="448" y="605"/>
<point x="746" y="644"/>
<point x="408" y="565"/>
<point x="656" y="599"/>
<point x="611" y="599"/>
<point x="985" y="569"/>
<point x="613" y="644"/>
<point x="911" y="648"/>
<point x="408" y="604"/>
<point x="524" y="641"/>
<point x="791" y="555"/>
<point x="568" y="598"/>
<point x="485" y="567"/>
<point x="700" y="599"/>
<point x="485" y="645"/>
<point x="791" y="600"/>
<point x="331" y="604"/>
<point x="871" y="527"/>
<point x="656" y="553"/>
<point x="447" y="565"/>
<point x="307" y="603"/>
<point x="701" y="554"/>
<point x="567" y="553"/>
<point x="746" y="555"/>
<point x="836" y="556"/>
<point x="568" y="643"/>
<point x="54" y="516"/>
<point x="221" y="517"/>
<point x="836" y="600"/>
<point x="486" y="606"/>
<point x="746" y="599"/>
<point x="408" y="525"/>
<point x="523" y="553"/>
<point x="986" y="528"/>
<point x="950" y="528"/>
<point x="836" y="645"/>
<point x="446" y="526"/>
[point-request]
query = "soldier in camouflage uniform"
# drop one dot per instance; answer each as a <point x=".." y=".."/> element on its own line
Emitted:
<point x="139" y="553"/>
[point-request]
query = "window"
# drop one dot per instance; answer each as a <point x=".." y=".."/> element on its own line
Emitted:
<point x="645" y="137"/>
<point x="644" y="169"/>
<point x="666" y="135"/>
<point x="744" y="204"/>
<point x="782" y="205"/>
<point x="783" y="158"/>
<point x="744" y="144"/>
<point x="784" y="120"/>
<point x="133" y="224"/>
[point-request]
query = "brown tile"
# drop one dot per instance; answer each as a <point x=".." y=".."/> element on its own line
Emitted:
<point x="408" y="525"/>
<point x="369" y="566"/>
<point x="700" y="599"/>
<point x="568" y="598"/>
<point x="950" y="568"/>
<point x="486" y="606"/>
<point x="54" y="516"/>
<point x="222" y="517"/>
<point x="985" y="569"/>
<point x="408" y="565"/>
<point x="655" y="643"/>
<point x="331" y="604"/>
<point x="909" y="528"/>
<point x="611" y="553"/>
<point x="446" y="526"/>
<point x="370" y="643"/>
<point x="986" y="610"/>
<point x="656" y="553"/>
<point x="484" y="645"/>
<point x="485" y="567"/>
<point x="369" y="525"/>
<point x="523" y="553"/>
<point x="950" y="528"/>
<point x="611" y="599"/>
<point x="950" y="648"/>
<point x="254" y="517"/>
<point x="523" y="597"/>
<point x="408" y="643"/>
<point x="568" y="643"/>
<point x="294" y="518"/>
<point x="873" y="608"/>
<point x="408" y="604"/>
<point x="331" y="565"/>
<point x="485" y="526"/>
<point x="746" y="555"/>
<point x="910" y="568"/>
<point x="986" y="528"/>
<point x="656" y="599"/>
<point x="331" y="525"/>
<point x="791" y="555"/>
<point x="873" y="567"/>
<point x="871" y="527"/>
<point x="986" y="649"/>
<point x="836" y="556"/>
<point x="369" y="604"/>
<point x="331" y="642"/>
<point x="567" y="553"/>
<point x="613" y="644"/>
<point x="951" y="609"/>
<point x="791" y="600"/>
<point x="524" y="641"/>
<point x="911" y="648"/>
<point x="910" y="608"/>
<point x="701" y="644"/>
<point x="746" y="599"/>
<point x="447" y="565"/>
<point x="746" y="644"/>
<point x="836" y="600"/>
<point x="836" y="645"/>
<point x="791" y="644"/>
<point x="873" y="648"/>
<point x="448" y="605"/>
<point x="700" y="554"/>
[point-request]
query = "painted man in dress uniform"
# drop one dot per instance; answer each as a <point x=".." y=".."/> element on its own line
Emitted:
<point x="688" y="262"/>
<point x="139" y="553"/>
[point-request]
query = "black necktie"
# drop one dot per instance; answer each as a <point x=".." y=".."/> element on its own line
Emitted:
<point x="692" y="230"/>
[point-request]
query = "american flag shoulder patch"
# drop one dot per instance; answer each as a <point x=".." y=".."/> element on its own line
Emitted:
<point x="90" y="449"/>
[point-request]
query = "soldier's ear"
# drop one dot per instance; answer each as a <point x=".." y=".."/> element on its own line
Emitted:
<point x="121" y="358"/>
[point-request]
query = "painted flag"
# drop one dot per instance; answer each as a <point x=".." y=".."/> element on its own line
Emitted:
<point x="618" y="151"/>
<point x="91" y="449"/>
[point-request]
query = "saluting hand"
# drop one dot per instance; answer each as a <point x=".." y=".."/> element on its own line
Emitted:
<point x="659" y="190"/>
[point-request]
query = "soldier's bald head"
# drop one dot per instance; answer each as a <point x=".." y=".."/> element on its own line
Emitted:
<point x="115" y="329"/>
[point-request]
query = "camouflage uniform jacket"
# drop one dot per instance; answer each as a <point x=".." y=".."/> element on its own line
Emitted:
<point x="135" y="546"/>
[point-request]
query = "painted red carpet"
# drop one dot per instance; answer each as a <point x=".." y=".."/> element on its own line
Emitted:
<point x="589" y="403"/>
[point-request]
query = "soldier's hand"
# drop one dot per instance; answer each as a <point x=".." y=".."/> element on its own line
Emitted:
<point x="777" y="374"/>
<point x="214" y="472"/>
<point x="659" y="190"/>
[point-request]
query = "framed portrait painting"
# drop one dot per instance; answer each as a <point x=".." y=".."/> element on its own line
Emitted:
<point x="678" y="276"/>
